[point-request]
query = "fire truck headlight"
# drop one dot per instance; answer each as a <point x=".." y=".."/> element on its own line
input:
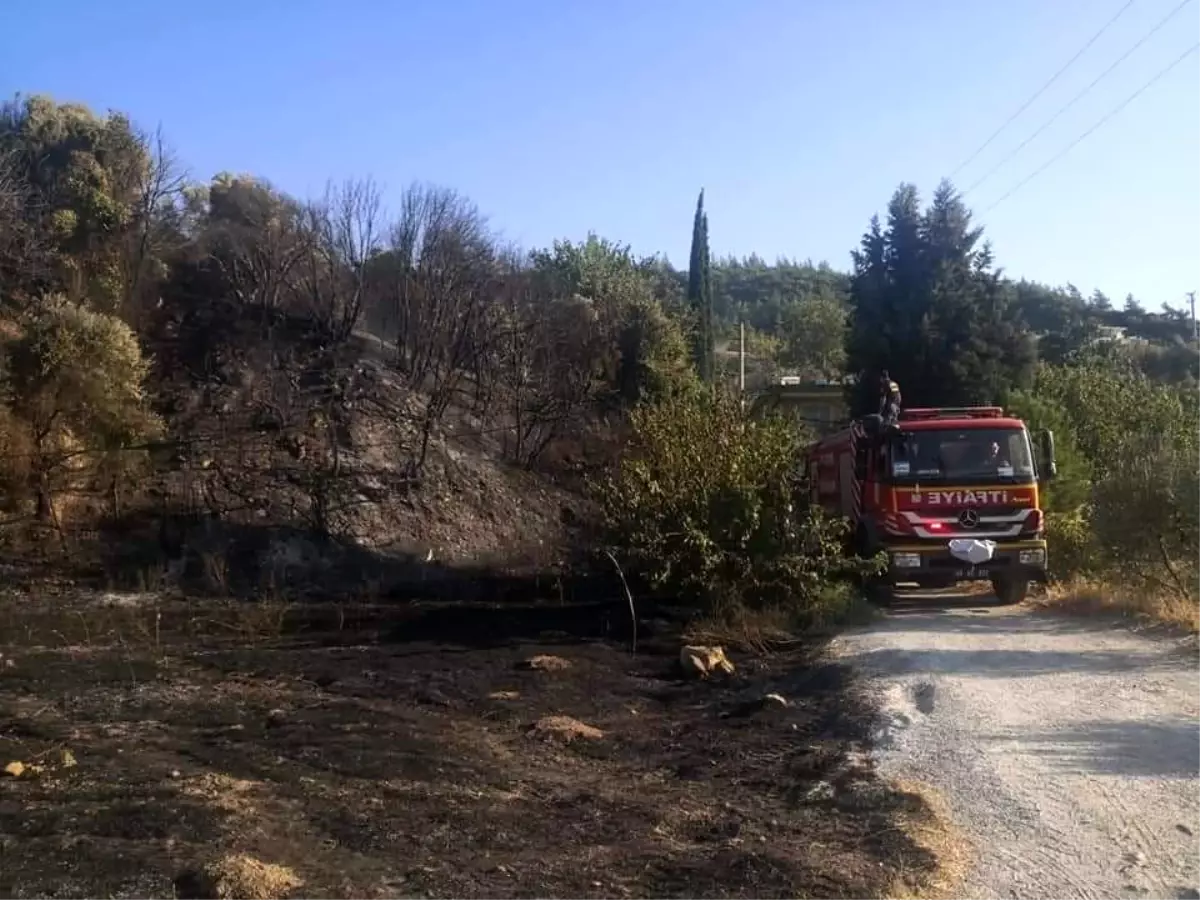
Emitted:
<point x="906" y="560"/>
<point x="1033" y="557"/>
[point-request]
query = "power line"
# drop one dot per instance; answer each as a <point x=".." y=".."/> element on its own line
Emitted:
<point x="1054" y="118"/>
<point x="1041" y="90"/>
<point x="1071" y="146"/>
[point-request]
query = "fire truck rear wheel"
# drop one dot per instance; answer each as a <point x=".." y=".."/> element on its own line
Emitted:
<point x="1010" y="590"/>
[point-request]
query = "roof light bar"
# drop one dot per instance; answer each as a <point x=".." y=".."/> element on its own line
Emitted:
<point x="952" y="412"/>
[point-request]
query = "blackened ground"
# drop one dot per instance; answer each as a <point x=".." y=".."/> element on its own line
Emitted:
<point x="387" y="751"/>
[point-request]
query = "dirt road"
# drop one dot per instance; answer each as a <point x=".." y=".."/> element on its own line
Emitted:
<point x="1068" y="751"/>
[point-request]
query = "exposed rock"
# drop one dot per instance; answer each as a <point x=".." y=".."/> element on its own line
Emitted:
<point x="564" y="728"/>
<point x="703" y="661"/>
<point x="546" y="663"/>
<point x="752" y="705"/>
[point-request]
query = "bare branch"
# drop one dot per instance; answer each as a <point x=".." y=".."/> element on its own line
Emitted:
<point x="344" y="230"/>
<point x="151" y="237"/>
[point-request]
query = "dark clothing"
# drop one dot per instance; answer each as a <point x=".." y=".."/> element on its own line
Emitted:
<point x="889" y="403"/>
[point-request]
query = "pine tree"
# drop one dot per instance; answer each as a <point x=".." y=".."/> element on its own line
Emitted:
<point x="929" y="306"/>
<point x="699" y="295"/>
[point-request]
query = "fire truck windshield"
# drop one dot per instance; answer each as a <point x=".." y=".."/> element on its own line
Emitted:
<point x="975" y="454"/>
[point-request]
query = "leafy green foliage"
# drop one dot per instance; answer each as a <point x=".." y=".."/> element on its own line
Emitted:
<point x="1146" y="514"/>
<point x="928" y="306"/>
<point x="73" y="391"/>
<point x="1126" y="502"/>
<point x="1108" y="401"/>
<point x="700" y="296"/>
<point x="642" y="350"/>
<point x="1071" y="490"/>
<point x="813" y="334"/>
<point x="707" y="505"/>
<point x="758" y="293"/>
<point x="86" y="175"/>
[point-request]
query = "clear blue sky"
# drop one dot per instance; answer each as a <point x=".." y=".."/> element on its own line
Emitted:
<point x="799" y="117"/>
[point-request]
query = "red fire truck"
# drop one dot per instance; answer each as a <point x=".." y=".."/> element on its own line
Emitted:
<point x="950" y="495"/>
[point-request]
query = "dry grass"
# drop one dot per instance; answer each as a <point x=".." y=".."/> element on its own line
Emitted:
<point x="239" y="877"/>
<point x="931" y="827"/>
<point x="749" y="631"/>
<point x="1097" y="597"/>
<point x="761" y="631"/>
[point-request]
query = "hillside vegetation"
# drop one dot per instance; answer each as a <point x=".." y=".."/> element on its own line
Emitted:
<point x="348" y="550"/>
<point x="211" y="360"/>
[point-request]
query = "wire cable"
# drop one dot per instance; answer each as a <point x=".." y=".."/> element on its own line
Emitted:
<point x="1071" y="146"/>
<point x="1054" y="118"/>
<point x="1053" y="78"/>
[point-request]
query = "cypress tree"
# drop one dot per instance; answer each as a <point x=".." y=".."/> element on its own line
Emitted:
<point x="699" y="295"/>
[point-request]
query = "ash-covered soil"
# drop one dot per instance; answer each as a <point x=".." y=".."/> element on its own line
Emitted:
<point x="400" y="750"/>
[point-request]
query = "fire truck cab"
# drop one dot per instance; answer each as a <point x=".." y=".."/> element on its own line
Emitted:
<point x="950" y="495"/>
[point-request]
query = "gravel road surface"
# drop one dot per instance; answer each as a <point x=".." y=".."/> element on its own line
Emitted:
<point x="1069" y="751"/>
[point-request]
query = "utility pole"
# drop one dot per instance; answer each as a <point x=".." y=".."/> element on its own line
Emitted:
<point x="742" y="360"/>
<point x="1195" y="330"/>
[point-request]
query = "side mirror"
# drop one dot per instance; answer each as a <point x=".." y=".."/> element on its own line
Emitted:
<point x="1049" y="463"/>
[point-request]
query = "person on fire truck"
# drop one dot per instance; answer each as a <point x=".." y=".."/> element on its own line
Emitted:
<point x="889" y="399"/>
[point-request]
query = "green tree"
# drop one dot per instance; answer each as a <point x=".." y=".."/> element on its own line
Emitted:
<point x="643" y="348"/>
<point x="813" y="335"/>
<point x="95" y="188"/>
<point x="74" y="390"/>
<point x="1064" y="324"/>
<point x="699" y="296"/>
<point x="249" y="240"/>
<point x="756" y="292"/>
<point x="929" y="306"/>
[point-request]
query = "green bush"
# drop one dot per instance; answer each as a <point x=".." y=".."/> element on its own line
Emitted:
<point x="1126" y="505"/>
<point x="1070" y="490"/>
<point x="72" y="388"/>
<point x="710" y="506"/>
<point x="1146" y="515"/>
<point x="1072" y="542"/>
<point x="1108" y="401"/>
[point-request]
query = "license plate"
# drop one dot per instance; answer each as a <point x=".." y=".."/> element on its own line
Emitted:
<point x="972" y="572"/>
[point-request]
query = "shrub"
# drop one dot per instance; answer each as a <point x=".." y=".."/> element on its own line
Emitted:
<point x="1069" y="491"/>
<point x="73" y="398"/>
<point x="1146" y="516"/>
<point x="1125" y="510"/>
<point x="711" y="506"/>
<point x="1072" y="542"/>
<point x="1107" y="401"/>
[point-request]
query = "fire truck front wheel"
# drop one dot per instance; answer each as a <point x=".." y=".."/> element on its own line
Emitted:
<point x="880" y="592"/>
<point x="1010" y="590"/>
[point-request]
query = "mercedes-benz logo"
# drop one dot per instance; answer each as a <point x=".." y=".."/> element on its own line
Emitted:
<point x="968" y="518"/>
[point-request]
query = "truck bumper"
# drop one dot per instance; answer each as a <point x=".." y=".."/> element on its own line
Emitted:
<point x="932" y="565"/>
